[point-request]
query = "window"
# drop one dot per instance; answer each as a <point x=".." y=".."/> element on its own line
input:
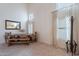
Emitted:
<point x="30" y="23"/>
<point x="30" y="28"/>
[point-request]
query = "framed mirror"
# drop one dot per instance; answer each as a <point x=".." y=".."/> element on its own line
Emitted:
<point x="12" y="25"/>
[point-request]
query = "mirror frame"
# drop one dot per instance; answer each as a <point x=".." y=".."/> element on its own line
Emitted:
<point x="13" y="22"/>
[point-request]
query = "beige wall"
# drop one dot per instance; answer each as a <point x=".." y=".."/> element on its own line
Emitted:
<point x="43" y="21"/>
<point x="16" y="12"/>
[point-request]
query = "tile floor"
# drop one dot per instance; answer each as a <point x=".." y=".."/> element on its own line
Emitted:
<point x="34" y="49"/>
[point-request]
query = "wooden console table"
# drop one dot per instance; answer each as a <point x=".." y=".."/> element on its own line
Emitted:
<point x="13" y="39"/>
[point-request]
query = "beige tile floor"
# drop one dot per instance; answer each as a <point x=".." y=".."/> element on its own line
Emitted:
<point x="34" y="49"/>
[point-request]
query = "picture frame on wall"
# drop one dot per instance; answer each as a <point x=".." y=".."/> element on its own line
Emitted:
<point x="12" y="25"/>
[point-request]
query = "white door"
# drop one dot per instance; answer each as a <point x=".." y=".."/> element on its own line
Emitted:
<point x="61" y="27"/>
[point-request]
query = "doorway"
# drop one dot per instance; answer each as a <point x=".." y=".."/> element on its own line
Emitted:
<point x="62" y="25"/>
